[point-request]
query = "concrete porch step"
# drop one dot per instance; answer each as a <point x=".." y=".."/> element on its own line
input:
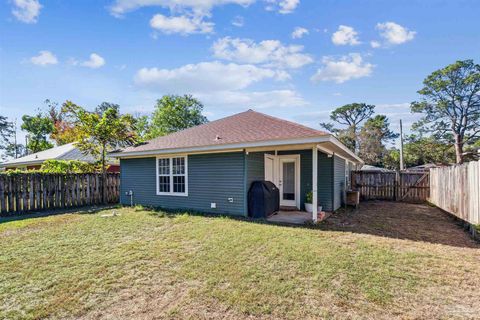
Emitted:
<point x="288" y="208"/>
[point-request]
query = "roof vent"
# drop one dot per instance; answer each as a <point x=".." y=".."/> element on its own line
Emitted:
<point x="36" y="156"/>
<point x="217" y="137"/>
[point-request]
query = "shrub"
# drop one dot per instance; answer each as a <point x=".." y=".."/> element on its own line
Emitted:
<point x="68" y="166"/>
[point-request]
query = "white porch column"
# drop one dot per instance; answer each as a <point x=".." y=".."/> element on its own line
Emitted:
<point x="314" y="183"/>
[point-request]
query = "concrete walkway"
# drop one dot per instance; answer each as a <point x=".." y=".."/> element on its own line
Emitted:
<point x="293" y="217"/>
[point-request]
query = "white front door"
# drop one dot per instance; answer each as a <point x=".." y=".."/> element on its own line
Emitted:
<point x="287" y="182"/>
<point x="270" y="168"/>
<point x="284" y="172"/>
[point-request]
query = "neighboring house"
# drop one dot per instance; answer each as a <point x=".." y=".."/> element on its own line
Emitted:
<point x="65" y="152"/>
<point x="370" y="168"/>
<point x="209" y="168"/>
<point x="424" y="167"/>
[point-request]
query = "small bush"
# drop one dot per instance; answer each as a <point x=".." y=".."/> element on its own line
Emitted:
<point x="68" y="166"/>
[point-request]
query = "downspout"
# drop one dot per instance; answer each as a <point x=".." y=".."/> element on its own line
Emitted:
<point x="333" y="181"/>
<point x="245" y="187"/>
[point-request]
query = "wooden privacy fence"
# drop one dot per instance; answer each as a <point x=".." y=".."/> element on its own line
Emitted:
<point x="456" y="189"/>
<point x="20" y="193"/>
<point x="394" y="186"/>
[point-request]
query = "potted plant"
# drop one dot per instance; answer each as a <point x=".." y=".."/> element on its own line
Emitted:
<point x="308" y="202"/>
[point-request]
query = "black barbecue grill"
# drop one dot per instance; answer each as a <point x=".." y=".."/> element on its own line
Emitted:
<point x="263" y="199"/>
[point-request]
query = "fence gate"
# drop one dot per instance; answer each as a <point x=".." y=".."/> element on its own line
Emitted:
<point x="393" y="186"/>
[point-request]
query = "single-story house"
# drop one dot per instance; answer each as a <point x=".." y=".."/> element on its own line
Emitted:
<point x="64" y="152"/>
<point x="210" y="167"/>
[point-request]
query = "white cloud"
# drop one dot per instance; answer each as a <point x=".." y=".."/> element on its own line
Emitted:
<point x="188" y="16"/>
<point x="26" y="10"/>
<point x="201" y="8"/>
<point x="271" y="53"/>
<point x="282" y="6"/>
<point x="238" y="21"/>
<point x="180" y="24"/>
<point x="346" y="68"/>
<point x="345" y="35"/>
<point x="198" y="7"/>
<point x="44" y="58"/>
<point x="299" y="32"/>
<point x="375" y="44"/>
<point x="95" y="61"/>
<point x="288" y="6"/>
<point x="254" y="99"/>
<point x="205" y="77"/>
<point x="394" y="33"/>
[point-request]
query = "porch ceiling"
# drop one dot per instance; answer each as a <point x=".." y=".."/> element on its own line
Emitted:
<point x="339" y="150"/>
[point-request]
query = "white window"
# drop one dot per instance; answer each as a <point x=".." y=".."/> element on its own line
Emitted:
<point x="172" y="176"/>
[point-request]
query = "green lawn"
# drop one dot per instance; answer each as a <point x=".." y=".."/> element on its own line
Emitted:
<point x="143" y="264"/>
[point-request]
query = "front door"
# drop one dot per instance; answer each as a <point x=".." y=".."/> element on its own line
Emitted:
<point x="287" y="182"/>
<point x="270" y="168"/>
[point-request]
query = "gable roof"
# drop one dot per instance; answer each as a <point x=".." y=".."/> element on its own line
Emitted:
<point x="248" y="126"/>
<point x="243" y="130"/>
<point x="64" y="152"/>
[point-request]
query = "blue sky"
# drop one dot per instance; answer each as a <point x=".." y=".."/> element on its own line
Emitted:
<point x="295" y="59"/>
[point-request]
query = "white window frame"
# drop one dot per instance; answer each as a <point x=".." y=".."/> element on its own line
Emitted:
<point x="171" y="175"/>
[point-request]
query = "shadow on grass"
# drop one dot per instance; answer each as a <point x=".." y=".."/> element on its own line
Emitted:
<point x="46" y="213"/>
<point x="398" y="220"/>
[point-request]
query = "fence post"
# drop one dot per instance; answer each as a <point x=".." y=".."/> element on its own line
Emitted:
<point x="3" y="206"/>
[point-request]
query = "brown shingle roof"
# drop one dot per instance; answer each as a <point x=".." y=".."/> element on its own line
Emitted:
<point x="248" y="126"/>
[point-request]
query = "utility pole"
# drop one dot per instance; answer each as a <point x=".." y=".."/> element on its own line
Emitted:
<point x="15" y="138"/>
<point x="401" y="146"/>
<point x="26" y="144"/>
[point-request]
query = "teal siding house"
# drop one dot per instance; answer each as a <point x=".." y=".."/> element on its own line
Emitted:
<point x="210" y="168"/>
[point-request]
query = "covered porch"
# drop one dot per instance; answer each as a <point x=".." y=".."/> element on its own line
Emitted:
<point x="307" y="173"/>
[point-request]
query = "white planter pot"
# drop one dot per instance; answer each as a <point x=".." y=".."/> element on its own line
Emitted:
<point x="309" y="208"/>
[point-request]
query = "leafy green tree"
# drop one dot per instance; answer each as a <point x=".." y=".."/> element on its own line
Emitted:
<point x="101" y="133"/>
<point x="104" y="106"/>
<point x="142" y="127"/>
<point x="391" y="159"/>
<point x="67" y="166"/>
<point x="173" y="113"/>
<point x="6" y="132"/>
<point x="419" y="150"/>
<point x="64" y="131"/>
<point x="14" y="150"/>
<point x="39" y="127"/>
<point x="451" y="105"/>
<point x="373" y="137"/>
<point x="350" y="115"/>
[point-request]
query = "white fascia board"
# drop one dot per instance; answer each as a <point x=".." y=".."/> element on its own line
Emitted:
<point x="24" y="163"/>
<point x="268" y="143"/>
<point x="325" y="150"/>
<point x="345" y="149"/>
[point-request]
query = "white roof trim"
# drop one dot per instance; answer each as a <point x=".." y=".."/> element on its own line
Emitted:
<point x="337" y="142"/>
<point x="243" y="145"/>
